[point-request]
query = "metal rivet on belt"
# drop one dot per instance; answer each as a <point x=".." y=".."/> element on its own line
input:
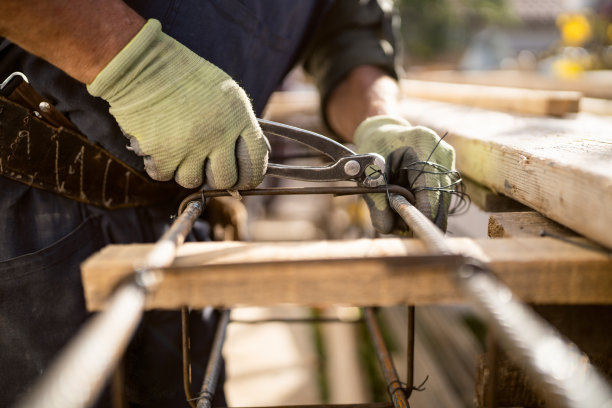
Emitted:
<point x="44" y="107"/>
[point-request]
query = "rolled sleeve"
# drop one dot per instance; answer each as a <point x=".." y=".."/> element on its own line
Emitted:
<point x="352" y="33"/>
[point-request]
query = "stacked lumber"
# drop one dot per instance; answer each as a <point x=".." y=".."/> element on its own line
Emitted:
<point x="559" y="167"/>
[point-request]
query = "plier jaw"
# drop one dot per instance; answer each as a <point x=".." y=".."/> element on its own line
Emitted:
<point x="366" y="169"/>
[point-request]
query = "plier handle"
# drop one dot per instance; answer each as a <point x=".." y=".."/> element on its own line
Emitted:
<point x="366" y="169"/>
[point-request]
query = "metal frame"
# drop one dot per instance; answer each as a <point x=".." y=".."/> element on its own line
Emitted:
<point x="77" y="376"/>
<point x="398" y="392"/>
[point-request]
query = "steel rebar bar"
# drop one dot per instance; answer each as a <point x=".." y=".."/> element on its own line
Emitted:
<point x="209" y="385"/>
<point x="394" y="386"/>
<point x="565" y="374"/>
<point x="336" y="190"/>
<point x="186" y="346"/>
<point x="77" y="377"/>
<point x="410" y="352"/>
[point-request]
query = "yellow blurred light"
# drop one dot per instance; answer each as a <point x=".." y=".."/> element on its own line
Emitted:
<point x="575" y="29"/>
<point x="609" y="32"/>
<point x="567" y="69"/>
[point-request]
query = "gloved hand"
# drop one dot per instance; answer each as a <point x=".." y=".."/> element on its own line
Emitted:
<point x="184" y="115"/>
<point x="403" y="145"/>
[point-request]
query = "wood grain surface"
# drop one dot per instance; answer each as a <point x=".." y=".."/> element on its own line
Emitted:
<point x="354" y="272"/>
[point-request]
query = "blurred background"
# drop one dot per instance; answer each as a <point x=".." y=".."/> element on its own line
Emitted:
<point x="563" y="38"/>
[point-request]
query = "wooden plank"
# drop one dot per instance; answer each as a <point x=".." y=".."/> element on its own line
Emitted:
<point x="359" y="272"/>
<point x="490" y="201"/>
<point x="524" y="224"/>
<point x="521" y="100"/>
<point x="559" y="167"/>
<point x="592" y="84"/>
<point x="596" y="106"/>
<point x="512" y="386"/>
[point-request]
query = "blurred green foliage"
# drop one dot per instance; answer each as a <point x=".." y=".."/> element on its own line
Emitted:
<point x="438" y="29"/>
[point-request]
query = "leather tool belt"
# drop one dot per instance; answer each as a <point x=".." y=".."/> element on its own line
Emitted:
<point x="41" y="148"/>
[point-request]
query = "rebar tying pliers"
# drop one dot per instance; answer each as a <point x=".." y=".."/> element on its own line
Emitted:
<point x="366" y="169"/>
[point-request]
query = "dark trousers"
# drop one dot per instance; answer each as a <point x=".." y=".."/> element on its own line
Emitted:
<point x="43" y="240"/>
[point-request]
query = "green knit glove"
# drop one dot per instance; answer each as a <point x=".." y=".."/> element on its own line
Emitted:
<point x="403" y="146"/>
<point x="184" y="115"/>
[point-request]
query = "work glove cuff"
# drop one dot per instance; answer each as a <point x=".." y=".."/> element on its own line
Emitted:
<point x="127" y="64"/>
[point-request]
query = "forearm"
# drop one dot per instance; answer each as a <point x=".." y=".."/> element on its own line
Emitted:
<point x="366" y="91"/>
<point x="78" y="36"/>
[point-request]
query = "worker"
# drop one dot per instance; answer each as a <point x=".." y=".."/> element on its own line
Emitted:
<point x="173" y="89"/>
